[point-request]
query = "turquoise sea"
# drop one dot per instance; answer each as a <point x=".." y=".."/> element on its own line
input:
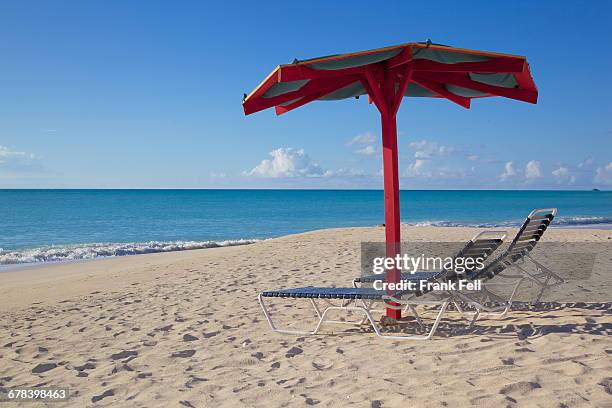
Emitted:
<point x="56" y="225"/>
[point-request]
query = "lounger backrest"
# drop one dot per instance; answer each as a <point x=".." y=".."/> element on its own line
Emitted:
<point x="481" y="246"/>
<point x="526" y="239"/>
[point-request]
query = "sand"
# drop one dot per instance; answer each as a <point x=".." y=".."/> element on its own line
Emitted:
<point x="184" y="329"/>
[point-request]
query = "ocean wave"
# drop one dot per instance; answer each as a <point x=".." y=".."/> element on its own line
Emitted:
<point x="575" y="221"/>
<point x="99" y="250"/>
<point x="582" y="220"/>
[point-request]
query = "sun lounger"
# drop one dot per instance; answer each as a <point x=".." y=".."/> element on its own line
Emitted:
<point x="485" y="301"/>
<point x="362" y="300"/>
<point x="516" y="256"/>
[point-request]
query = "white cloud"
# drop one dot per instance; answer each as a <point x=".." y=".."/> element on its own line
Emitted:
<point x="425" y="149"/>
<point x="562" y="171"/>
<point x="508" y="172"/>
<point x="287" y="162"/>
<point x="17" y="159"/>
<point x="603" y="175"/>
<point x="472" y="157"/>
<point x="363" y="138"/>
<point x="586" y="163"/>
<point x="532" y="170"/>
<point x="445" y="150"/>
<point x="418" y="169"/>
<point x="564" y="175"/>
<point x="344" y="173"/>
<point x="367" y="151"/>
<point x="430" y="162"/>
<point x="427" y="169"/>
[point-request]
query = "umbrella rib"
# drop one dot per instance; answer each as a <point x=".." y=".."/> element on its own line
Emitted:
<point x="257" y="104"/>
<point x="313" y="96"/>
<point x="300" y="72"/>
<point x="499" y="65"/>
<point x="439" y="89"/>
<point x="375" y="92"/>
<point x="463" y="81"/>
<point x="397" y="100"/>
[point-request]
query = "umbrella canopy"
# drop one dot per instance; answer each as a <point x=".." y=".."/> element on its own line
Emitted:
<point x="418" y="70"/>
<point x="387" y="75"/>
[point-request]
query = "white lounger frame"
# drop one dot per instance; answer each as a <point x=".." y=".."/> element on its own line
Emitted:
<point x="481" y="308"/>
<point x="354" y="305"/>
<point x="541" y="278"/>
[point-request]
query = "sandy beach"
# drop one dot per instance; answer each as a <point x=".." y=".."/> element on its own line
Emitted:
<point x="184" y="329"/>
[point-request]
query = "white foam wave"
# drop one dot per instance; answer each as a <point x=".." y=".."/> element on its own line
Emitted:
<point x="97" y="250"/>
<point x="582" y="220"/>
<point x="557" y="222"/>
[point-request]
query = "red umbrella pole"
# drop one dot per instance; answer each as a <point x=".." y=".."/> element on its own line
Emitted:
<point x="392" y="209"/>
<point x="388" y="100"/>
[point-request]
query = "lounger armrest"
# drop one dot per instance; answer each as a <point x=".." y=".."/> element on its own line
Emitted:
<point x="552" y="211"/>
<point x="492" y="234"/>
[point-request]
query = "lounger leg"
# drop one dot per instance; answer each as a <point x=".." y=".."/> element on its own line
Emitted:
<point x="543" y="287"/>
<point x="509" y="302"/>
<point x="546" y="270"/>
<point x="368" y="307"/>
<point x="483" y="310"/>
<point x="470" y="316"/>
<point x="511" y="299"/>
<point x="316" y="308"/>
<point x="275" y="329"/>
<point x="428" y="336"/>
<point x="475" y="318"/>
<point x="416" y="315"/>
<point x="542" y="284"/>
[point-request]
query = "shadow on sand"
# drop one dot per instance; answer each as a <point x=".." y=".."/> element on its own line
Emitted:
<point x="512" y="325"/>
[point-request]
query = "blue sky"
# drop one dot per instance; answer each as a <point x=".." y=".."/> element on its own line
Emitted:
<point x="148" y="95"/>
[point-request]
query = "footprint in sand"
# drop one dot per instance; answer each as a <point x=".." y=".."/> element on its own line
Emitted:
<point x="107" y="393"/>
<point x="293" y="351"/>
<point x="322" y="364"/>
<point x="124" y="367"/>
<point x="193" y="380"/>
<point x="86" y="366"/>
<point x="124" y="354"/>
<point x="183" y="354"/>
<point x="189" y="337"/>
<point x="519" y="388"/>
<point x="607" y="384"/>
<point x="141" y="376"/>
<point x="310" y="401"/>
<point x="44" y="367"/>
